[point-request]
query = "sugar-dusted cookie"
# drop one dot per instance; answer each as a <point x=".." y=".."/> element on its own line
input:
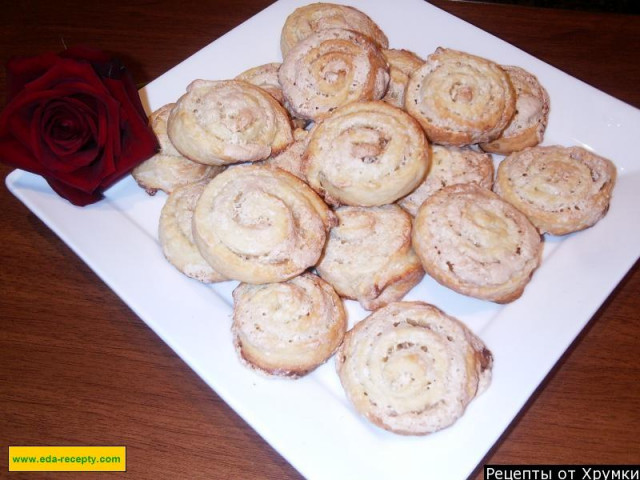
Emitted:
<point x="331" y="68"/>
<point x="368" y="256"/>
<point x="168" y="169"/>
<point x="321" y="16"/>
<point x="412" y="369"/>
<point x="528" y="124"/>
<point x="402" y="63"/>
<point x="228" y="121"/>
<point x="287" y="328"/>
<point x="474" y="242"/>
<point x="450" y="166"/>
<point x="460" y="99"/>
<point x="260" y="224"/>
<point x="560" y="189"/>
<point x="366" y="154"/>
<point x="176" y="237"/>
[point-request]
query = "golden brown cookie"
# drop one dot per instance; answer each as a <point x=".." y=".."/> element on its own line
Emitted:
<point x="331" y="68"/>
<point x="560" y="189"/>
<point x="228" y="121"/>
<point x="366" y="154"/>
<point x="460" y="99"/>
<point x="288" y="328"/>
<point x="411" y="369"/>
<point x="368" y="256"/>
<point x="472" y="241"/>
<point x="260" y="224"/>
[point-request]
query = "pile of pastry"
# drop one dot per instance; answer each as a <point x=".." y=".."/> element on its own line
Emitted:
<point x="349" y="170"/>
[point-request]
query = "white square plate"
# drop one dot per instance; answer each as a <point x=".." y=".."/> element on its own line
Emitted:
<point x="309" y="420"/>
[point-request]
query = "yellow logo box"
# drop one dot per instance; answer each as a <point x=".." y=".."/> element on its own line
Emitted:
<point x="67" y="459"/>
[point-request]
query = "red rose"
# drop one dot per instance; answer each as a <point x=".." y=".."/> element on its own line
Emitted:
<point x="76" y="119"/>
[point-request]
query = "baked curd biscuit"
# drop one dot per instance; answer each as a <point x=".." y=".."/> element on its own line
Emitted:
<point x="168" y="169"/>
<point x="411" y="369"/>
<point x="529" y="122"/>
<point x="368" y="256"/>
<point x="366" y="154"/>
<point x="228" y="121"/>
<point x="450" y="166"/>
<point x="460" y="99"/>
<point x="560" y="189"/>
<point x="321" y="16"/>
<point x="288" y="328"/>
<point x="331" y="68"/>
<point x="176" y="237"/>
<point x="474" y="242"/>
<point x="402" y="63"/>
<point x="260" y="224"/>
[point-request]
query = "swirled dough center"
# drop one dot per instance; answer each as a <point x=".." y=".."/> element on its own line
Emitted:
<point x="465" y="94"/>
<point x="256" y="214"/>
<point x="555" y="184"/>
<point x="483" y="244"/>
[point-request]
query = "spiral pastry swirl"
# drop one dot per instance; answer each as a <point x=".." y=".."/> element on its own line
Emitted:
<point x="450" y="166"/>
<point x="368" y="256"/>
<point x="529" y="122"/>
<point x="411" y="369"/>
<point x="259" y="224"/>
<point x="560" y="189"/>
<point x="228" y="121"/>
<point x="474" y="242"/>
<point x="321" y="16"/>
<point x="460" y="99"/>
<point x="366" y="154"/>
<point x="331" y="68"/>
<point x="168" y="169"/>
<point x="176" y="236"/>
<point x="287" y="328"/>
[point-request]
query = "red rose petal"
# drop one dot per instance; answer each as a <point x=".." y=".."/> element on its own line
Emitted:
<point x="75" y="196"/>
<point x="22" y="70"/>
<point x="68" y="129"/>
<point x="14" y="153"/>
<point x="138" y="142"/>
